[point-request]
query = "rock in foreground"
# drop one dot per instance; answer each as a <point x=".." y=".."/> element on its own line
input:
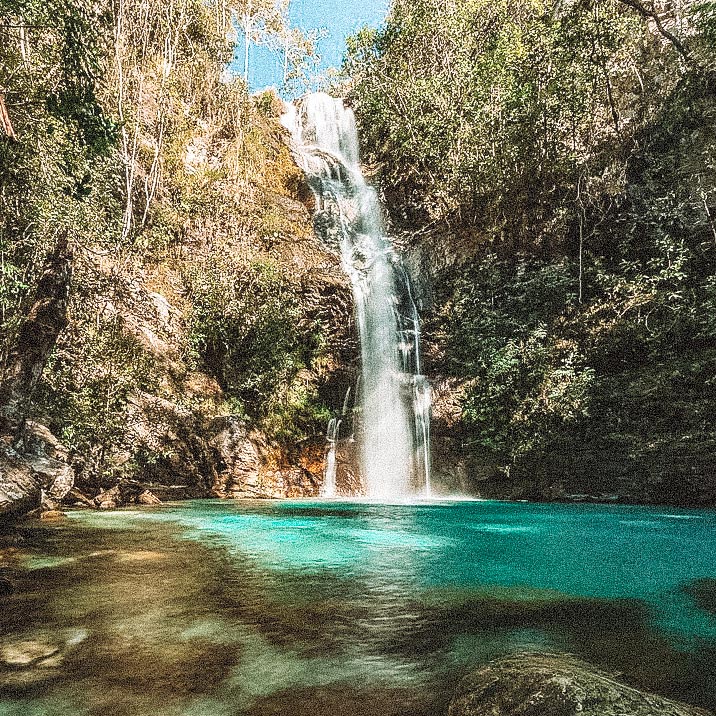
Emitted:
<point x="555" y="685"/>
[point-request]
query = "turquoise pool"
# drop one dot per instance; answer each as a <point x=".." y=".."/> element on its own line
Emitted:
<point x="313" y="607"/>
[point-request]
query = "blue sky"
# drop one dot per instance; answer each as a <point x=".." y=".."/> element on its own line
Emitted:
<point x="338" y="18"/>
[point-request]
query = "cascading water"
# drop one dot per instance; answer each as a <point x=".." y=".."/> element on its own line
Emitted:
<point x="393" y="410"/>
<point x="329" y="481"/>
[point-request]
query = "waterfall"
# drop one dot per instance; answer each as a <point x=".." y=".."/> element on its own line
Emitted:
<point x="329" y="481"/>
<point x="393" y="410"/>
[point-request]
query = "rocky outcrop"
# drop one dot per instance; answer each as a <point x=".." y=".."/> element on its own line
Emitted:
<point x="131" y="379"/>
<point x="536" y="684"/>
<point x="33" y="468"/>
<point x="249" y="467"/>
<point x="171" y="445"/>
<point x="20" y="488"/>
<point x="49" y="460"/>
<point x="240" y="459"/>
<point x="34" y="472"/>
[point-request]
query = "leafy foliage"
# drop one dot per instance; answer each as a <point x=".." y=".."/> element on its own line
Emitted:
<point x="57" y="178"/>
<point x="244" y="326"/>
<point x="493" y="105"/>
<point x="89" y="384"/>
<point x="247" y="330"/>
<point x="563" y="154"/>
<point x="134" y="143"/>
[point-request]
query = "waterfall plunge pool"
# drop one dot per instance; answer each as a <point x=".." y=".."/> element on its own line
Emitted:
<point x="213" y="608"/>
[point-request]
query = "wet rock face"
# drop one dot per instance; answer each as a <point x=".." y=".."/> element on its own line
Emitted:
<point x="250" y="467"/>
<point x="239" y="456"/>
<point x="555" y="685"/>
<point x="174" y="438"/>
<point x="348" y="477"/>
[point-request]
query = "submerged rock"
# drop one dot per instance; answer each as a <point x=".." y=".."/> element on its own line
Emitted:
<point x="703" y="592"/>
<point x="52" y="515"/>
<point x="534" y="684"/>
<point x="37" y="657"/>
<point x="7" y="586"/>
<point x="7" y="581"/>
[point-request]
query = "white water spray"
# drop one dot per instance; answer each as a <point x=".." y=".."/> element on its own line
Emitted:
<point x="393" y="412"/>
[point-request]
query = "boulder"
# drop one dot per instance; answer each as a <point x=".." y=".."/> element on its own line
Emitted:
<point x="148" y="498"/>
<point x="162" y="493"/>
<point x="534" y="684"/>
<point x="126" y="492"/>
<point x="20" y="487"/>
<point x="33" y="472"/>
<point x="79" y="499"/>
<point x="109" y="499"/>
<point x="57" y="478"/>
<point x="37" y="439"/>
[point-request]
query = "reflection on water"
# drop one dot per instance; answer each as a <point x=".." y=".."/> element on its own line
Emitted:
<point x="213" y="608"/>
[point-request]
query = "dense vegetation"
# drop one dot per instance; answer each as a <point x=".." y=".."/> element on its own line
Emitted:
<point x="556" y="158"/>
<point x="561" y="156"/>
<point x="177" y="196"/>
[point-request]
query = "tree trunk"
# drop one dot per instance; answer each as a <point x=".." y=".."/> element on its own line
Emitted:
<point x="5" y="123"/>
<point x="37" y="336"/>
<point x="248" y="27"/>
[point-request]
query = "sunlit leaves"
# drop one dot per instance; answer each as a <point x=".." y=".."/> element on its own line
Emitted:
<point x="468" y="106"/>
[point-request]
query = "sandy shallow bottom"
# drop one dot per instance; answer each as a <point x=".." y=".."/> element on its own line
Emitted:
<point x="213" y="608"/>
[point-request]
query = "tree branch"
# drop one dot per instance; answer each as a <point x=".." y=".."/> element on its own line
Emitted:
<point x="652" y="14"/>
<point x="5" y="123"/>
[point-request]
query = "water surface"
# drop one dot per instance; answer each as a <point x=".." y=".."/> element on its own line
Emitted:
<point x="297" y="607"/>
